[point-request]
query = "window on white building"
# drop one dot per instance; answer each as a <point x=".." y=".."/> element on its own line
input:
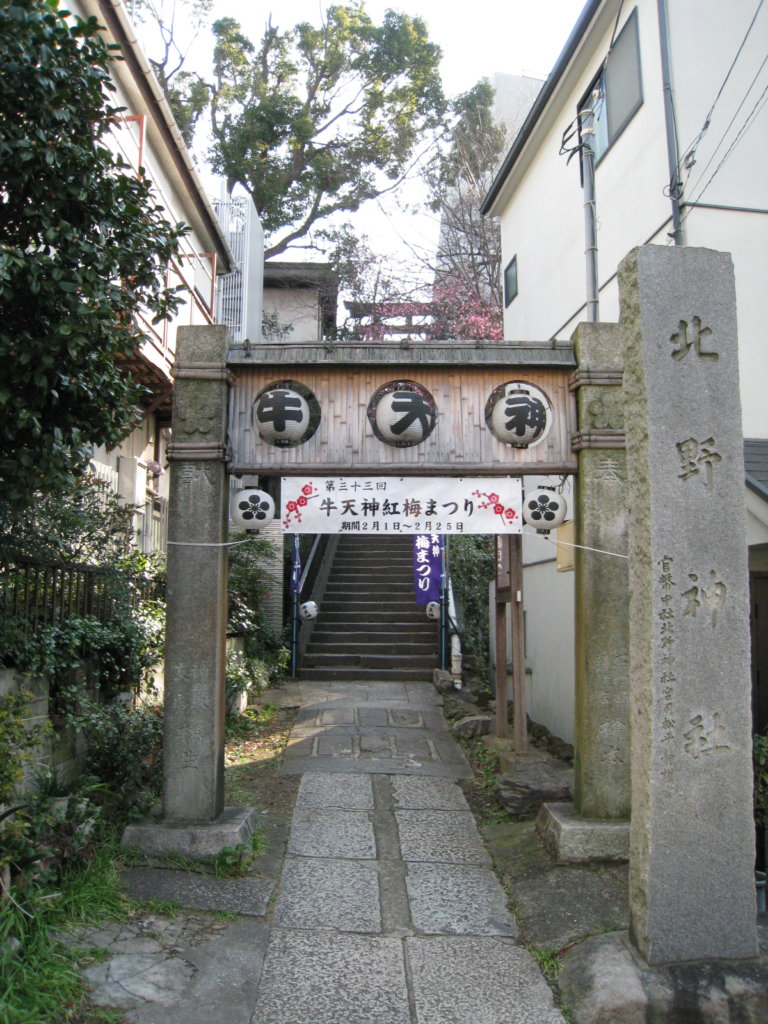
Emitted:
<point x="616" y="93"/>
<point x="510" y="281"/>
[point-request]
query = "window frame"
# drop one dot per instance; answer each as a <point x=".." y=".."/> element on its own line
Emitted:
<point x="511" y="266"/>
<point x="601" y="84"/>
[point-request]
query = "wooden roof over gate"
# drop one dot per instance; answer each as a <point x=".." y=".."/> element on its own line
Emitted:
<point x="459" y="375"/>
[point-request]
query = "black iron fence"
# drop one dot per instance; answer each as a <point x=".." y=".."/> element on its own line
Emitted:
<point x="35" y="594"/>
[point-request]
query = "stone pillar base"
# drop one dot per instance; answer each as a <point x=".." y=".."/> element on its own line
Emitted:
<point x="570" y="839"/>
<point x="606" y="979"/>
<point x="234" y="826"/>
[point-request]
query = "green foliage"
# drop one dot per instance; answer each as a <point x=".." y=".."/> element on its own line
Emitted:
<point x="548" y="961"/>
<point x="84" y="249"/>
<point x="39" y="974"/>
<point x="244" y="675"/>
<point x="315" y="120"/>
<point x="234" y="861"/>
<point x="84" y="523"/>
<point x="472" y="566"/>
<point x="124" y="753"/>
<point x="17" y="742"/>
<point x="760" y="762"/>
<point x="46" y="833"/>
<point x="248" y="586"/>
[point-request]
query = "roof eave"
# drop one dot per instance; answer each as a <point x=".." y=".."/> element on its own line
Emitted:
<point x="539" y="106"/>
<point x="112" y="14"/>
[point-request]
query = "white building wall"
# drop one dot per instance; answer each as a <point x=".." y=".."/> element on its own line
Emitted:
<point x="542" y="222"/>
<point x="549" y="642"/>
<point x="298" y="307"/>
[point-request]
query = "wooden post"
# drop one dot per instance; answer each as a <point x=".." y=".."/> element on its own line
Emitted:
<point x="502" y="730"/>
<point x="520" y="732"/>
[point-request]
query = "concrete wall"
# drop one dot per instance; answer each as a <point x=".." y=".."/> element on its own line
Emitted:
<point x="299" y="307"/>
<point x="63" y="749"/>
<point x="549" y="639"/>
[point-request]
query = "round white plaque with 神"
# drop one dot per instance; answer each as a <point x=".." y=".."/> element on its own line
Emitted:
<point x="518" y="414"/>
<point x="308" y="610"/>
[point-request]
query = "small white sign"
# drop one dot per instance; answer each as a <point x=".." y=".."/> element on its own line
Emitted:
<point x="401" y="505"/>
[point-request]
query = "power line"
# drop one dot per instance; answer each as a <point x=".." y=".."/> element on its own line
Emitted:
<point x="730" y="125"/>
<point x="749" y="121"/>
<point x="688" y="158"/>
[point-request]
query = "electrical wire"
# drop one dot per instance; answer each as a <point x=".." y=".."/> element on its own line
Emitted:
<point x="731" y="124"/>
<point x="688" y="158"/>
<point x="747" y="124"/>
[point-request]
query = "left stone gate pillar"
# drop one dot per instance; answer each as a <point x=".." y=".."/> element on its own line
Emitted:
<point x="194" y="819"/>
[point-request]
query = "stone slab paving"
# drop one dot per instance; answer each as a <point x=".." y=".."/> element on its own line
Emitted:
<point x="379" y="728"/>
<point x="191" y="969"/>
<point x="386" y="910"/>
<point x="428" y="910"/>
<point x="441" y="837"/>
<point x="330" y="978"/>
<point x="338" y="894"/>
<point x="477" y="981"/>
<point x="332" y="833"/>
<point x="457" y="899"/>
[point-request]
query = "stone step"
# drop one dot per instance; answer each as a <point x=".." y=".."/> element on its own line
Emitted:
<point x="374" y="588"/>
<point x="375" y="614"/>
<point x="369" y="608"/>
<point x="405" y="648"/>
<point x="421" y="662"/>
<point x="358" y="674"/>
<point x="386" y="571"/>
<point x="365" y="632"/>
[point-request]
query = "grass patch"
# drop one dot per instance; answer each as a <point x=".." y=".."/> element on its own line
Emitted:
<point x="40" y="979"/>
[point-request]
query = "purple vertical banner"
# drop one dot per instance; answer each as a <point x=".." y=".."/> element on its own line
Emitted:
<point x="296" y="567"/>
<point x="427" y="567"/>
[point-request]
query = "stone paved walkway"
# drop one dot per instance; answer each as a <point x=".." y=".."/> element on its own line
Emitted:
<point x="387" y="910"/>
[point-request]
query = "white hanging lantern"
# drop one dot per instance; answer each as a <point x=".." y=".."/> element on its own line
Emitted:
<point x="518" y="414"/>
<point x="286" y="414"/>
<point x="252" y="509"/>
<point x="433" y="610"/>
<point x="307" y="611"/>
<point x="402" y="413"/>
<point x="544" y="509"/>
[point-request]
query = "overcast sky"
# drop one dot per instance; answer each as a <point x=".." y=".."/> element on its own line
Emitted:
<point x="477" y="39"/>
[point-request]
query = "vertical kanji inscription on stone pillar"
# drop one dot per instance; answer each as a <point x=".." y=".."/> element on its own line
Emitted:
<point x="692" y="890"/>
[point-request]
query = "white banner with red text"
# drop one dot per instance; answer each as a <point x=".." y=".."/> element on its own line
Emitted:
<point x="401" y="505"/>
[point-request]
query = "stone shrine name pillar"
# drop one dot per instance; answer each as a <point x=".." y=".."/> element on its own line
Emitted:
<point x="692" y="893"/>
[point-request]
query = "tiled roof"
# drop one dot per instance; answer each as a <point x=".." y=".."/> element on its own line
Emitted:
<point x="756" y="465"/>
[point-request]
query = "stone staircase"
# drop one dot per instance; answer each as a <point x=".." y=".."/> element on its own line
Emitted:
<point x="369" y="625"/>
